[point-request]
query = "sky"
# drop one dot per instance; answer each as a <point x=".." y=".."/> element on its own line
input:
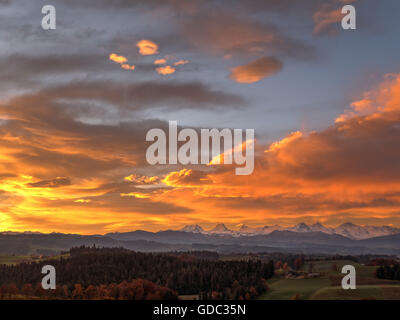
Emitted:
<point x="76" y="104"/>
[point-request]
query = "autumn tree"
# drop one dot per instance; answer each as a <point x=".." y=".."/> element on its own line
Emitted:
<point x="27" y="289"/>
<point x="77" y="294"/>
<point x="298" y="263"/>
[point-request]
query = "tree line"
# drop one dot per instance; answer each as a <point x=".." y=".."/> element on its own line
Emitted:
<point x="138" y="289"/>
<point x="389" y="272"/>
<point x="182" y="274"/>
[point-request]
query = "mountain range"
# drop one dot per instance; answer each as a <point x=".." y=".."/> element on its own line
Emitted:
<point x="302" y="238"/>
<point x="348" y="230"/>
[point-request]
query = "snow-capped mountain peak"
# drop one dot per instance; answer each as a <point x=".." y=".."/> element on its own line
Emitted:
<point x="17" y="233"/>
<point x="301" y="227"/>
<point x="194" y="228"/>
<point x="348" y="230"/>
<point x="220" y="228"/>
<point x="356" y="232"/>
<point x="351" y="231"/>
<point x="318" y="227"/>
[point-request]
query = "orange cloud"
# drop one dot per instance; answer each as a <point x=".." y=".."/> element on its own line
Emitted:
<point x="142" y="179"/>
<point x="136" y="195"/>
<point x="325" y="17"/>
<point x="160" y="61"/>
<point x="280" y="144"/>
<point x="79" y="179"/>
<point x="230" y="34"/>
<point x="128" y="67"/>
<point x="257" y="70"/>
<point x="348" y="171"/>
<point x="240" y="148"/>
<point x="118" y="59"/>
<point x="181" y="62"/>
<point x="82" y="201"/>
<point x="165" y="70"/>
<point x="385" y="98"/>
<point x="186" y="178"/>
<point x="147" y="47"/>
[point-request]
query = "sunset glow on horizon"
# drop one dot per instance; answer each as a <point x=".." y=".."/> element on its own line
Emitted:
<point x="74" y="112"/>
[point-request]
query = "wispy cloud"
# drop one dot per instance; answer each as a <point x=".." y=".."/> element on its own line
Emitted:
<point x="181" y="62"/>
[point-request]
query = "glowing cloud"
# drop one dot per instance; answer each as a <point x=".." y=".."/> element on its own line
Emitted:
<point x="160" y="61"/>
<point x="325" y="17"/>
<point x="127" y="67"/>
<point x="256" y="70"/>
<point x="279" y="144"/>
<point x="181" y="62"/>
<point x="186" y="178"/>
<point x="142" y="179"/>
<point x="147" y="47"/>
<point x="165" y="70"/>
<point x="136" y="195"/>
<point x="118" y="59"/>
<point x="228" y="153"/>
<point x="384" y="98"/>
<point x="83" y="201"/>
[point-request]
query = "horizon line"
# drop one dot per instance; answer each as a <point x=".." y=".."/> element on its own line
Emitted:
<point x="196" y="224"/>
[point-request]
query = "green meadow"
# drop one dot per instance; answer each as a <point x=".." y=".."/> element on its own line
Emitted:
<point x="328" y="285"/>
<point x="11" y="260"/>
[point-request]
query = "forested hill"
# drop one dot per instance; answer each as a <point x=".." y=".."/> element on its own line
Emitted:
<point x="183" y="274"/>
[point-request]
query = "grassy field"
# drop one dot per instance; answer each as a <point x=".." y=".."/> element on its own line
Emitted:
<point x="189" y="297"/>
<point x="286" y="289"/>
<point x="326" y="267"/>
<point x="363" y="292"/>
<point x="327" y="286"/>
<point x="11" y="260"/>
